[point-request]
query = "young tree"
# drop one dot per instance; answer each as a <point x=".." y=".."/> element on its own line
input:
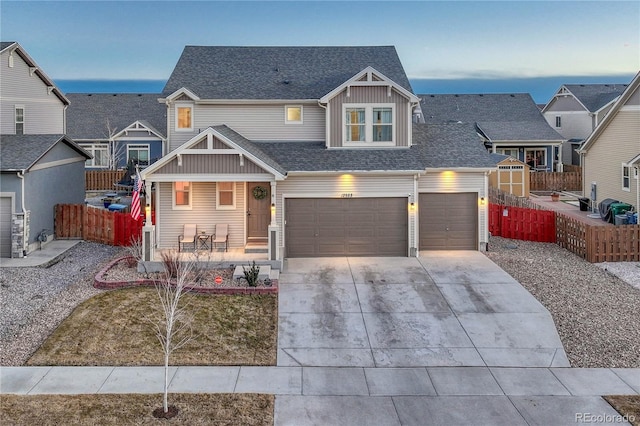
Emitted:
<point x="173" y="325"/>
<point x="116" y="150"/>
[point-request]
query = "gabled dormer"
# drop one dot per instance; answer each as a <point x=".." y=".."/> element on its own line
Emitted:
<point x="369" y="111"/>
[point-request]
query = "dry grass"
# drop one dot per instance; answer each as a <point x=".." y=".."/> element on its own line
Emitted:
<point x="627" y="405"/>
<point x="113" y="329"/>
<point x="195" y="409"/>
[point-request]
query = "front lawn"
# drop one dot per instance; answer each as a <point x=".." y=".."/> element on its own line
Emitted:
<point x="113" y="329"/>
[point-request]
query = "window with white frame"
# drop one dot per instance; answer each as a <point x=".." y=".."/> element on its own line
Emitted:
<point x="368" y="124"/>
<point x="19" y="120"/>
<point x="139" y="154"/>
<point x="626" y="177"/>
<point x="558" y="121"/>
<point x="182" y="195"/>
<point x="226" y="195"/>
<point x="100" y="153"/>
<point x="513" y="152"/>
<point x="293" y="114"/>
<point x="184" y="117"/>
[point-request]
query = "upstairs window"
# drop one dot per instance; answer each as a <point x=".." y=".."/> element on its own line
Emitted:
<point x="558" y="121"/>
<point x="293" y="114"/>
<point x="19" y="120"/>
<point x="184" y="117"/>
<point x="368" y="125"/>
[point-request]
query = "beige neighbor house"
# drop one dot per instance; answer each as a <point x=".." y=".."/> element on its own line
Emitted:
<point x="313" y="151"/>
<point x="575" y="110"/>
<point x="611" y="154"/>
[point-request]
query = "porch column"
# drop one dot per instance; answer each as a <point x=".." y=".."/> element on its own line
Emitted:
<point x="273" y="226"/>
<point x="148" y="231"/>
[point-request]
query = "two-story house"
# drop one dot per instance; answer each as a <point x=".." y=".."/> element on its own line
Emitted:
<point x="118" y="128"/>
<point x="509" y="124"/>
<point x="39" y="165"/>
<point x="313" y="151"/>
<point x="611" y="154"/>
<point x="575" y="110"/>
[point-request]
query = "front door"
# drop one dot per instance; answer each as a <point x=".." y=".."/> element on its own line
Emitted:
<point x="258" y="211"/>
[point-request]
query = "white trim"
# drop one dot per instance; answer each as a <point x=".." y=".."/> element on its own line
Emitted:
<point x="369" y="72"/>
<point x="209" y="178"/>
<point x="173" y="196"/>
<point x="138" y="126"/>
<point x="15" y="119"/>
<point x="57" y="163"/>
<point x="286" y="115"/>
<point x="140" y="146"/>
<point x="368" y="125"/>
<point x="234" y="193"/>
<point x="178" y="93"/>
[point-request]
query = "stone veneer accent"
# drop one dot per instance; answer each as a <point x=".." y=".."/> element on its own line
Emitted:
<point x="19" y="234"/>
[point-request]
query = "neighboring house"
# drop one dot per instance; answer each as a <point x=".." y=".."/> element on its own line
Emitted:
<point x="512" y="175"/>
<point x="576" y="109"/>
<point x="39" y="165"/>
<point x="118" y="128"/>
<point x="611" y="154"/>
<point x="313" y="151"/>
<point x="509" y="124"/>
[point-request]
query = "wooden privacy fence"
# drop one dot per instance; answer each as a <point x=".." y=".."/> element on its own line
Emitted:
<point x="555" y="181"/>
<point x="102" y="180"/>
<point x="596" y="244"/>
<point x="78" y="221"/>
<point x="522" y="223"/>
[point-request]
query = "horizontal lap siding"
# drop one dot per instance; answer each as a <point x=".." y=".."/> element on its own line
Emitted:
<point x="203" y="214"/>
<point x="603" y="165"/>
<point x="334" y="186"/>
<point x="254" y="122"/>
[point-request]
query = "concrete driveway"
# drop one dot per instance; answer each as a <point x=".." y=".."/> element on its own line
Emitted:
<point x="443" y="309"/>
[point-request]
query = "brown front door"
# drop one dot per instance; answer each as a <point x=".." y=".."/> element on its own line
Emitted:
<point x="258" y="211"/>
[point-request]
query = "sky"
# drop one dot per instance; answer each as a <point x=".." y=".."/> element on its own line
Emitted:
<point x="444" y="40"/>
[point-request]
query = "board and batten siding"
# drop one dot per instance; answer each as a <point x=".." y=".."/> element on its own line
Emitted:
<point x="43" y="111"/>
<point x="352" y="186"/>
<point x="618" y="143"/>
<point x="203" y="213"/>
<point x="369" y="95"/>
<point x="452" y="182"/>
<point x="211" y="163"/>
<point x="254" y="122"/>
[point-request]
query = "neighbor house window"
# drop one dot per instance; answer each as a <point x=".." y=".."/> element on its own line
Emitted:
<point x="293" y="114"/>
<point x="184" y="117"/>
<point x="626" y="177"/>
<point x="182" y="195"/>
<point x="139" y="154"/>
<point x="19" y="120"/>
<point x="100" y="153"/>
<point x="513" y="152"/>
<point x="368" y="124"/>
<point x="536" y="158"/>
<point x="558" y="121"/>
<point x="225" y="195"/>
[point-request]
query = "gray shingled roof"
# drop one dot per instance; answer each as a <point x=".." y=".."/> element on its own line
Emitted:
<point x="88" y="113"/>
<point x="20" y="152"/>
<point x="511" y="117"/>
<point x="595" y="96"/>
<point x="221" y="72"/>
<point x="436" y="146"/>
<point x="5" y="44"/>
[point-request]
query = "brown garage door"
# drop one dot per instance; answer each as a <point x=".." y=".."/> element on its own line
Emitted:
<point x="5" y="227"/>
<point x="346" y="227"/>
<point x="448" y="221"/>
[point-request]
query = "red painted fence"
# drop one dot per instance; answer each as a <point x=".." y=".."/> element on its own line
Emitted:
<point x="78" y="221"/>
<point x="522" y="224"/>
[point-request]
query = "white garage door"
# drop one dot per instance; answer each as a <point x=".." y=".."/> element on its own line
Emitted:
<point x="5" y="227"/>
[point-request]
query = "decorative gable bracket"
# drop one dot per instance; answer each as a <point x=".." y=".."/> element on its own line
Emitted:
<point x="370" y="77"/>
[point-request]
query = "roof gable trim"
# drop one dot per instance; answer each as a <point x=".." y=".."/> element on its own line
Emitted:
<point x="138" y="126"/>
<point x="370" y="77"/>
<point x="183" y="91"/>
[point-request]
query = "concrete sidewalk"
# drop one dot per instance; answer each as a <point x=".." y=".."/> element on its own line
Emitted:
<point x="51" y="252"/>
<point x="356" y="395"/>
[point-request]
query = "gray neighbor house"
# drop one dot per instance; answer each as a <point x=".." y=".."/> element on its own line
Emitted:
<point x="39" y="165"/>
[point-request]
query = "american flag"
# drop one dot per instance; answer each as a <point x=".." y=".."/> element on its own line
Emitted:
<point x="135" y="197"/>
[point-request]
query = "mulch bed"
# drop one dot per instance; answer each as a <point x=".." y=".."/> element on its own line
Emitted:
<point x="122" y="273"/>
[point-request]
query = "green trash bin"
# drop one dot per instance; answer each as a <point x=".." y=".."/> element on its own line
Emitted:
<point x="620" y="208"/>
